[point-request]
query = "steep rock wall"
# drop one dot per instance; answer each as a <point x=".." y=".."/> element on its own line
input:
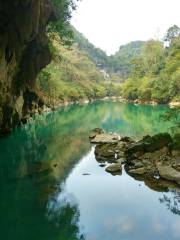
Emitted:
<point x="23" y="53"/>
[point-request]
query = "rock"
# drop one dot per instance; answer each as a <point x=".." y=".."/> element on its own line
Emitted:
<point x="169" y="173"/>
<point x="95" y="132"/>
<point x="102" y="165"/>
<point x="176" y="160"/>
<point x="122" y="146"/>
<point x="105" y="138"/>
<point x="156" y="142"/>
<point x="159" y="185"/>
<point x="105" y="151"/>
<point x="139" y="171"/>
<point x="120" y="155"/>
<point x="174" y="104"/>
<point x="138" y="164"/>
<point x="135" y="147"/>
<point x="150" y="144"/>
<point x="138" y="155"/>
<point x="121" y="160"/>
<point x="176" y="142"/>
<point x="114" y="168"/>
<point x="150" y="159"/>
<point x="176" y="154"/>
<point x="127" y="140"/>
<point x="24" y="51"/>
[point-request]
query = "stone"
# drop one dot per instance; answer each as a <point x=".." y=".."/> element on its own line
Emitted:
<point x="159" y="185"/>
<point x="105" y="138"/>
<point x="176" y="164"/>
<point x="139" y="171"/>
<point x="106" y="150"/>
<point x="151" y="159"/>
<point x="120" y="155"/>
<point x="138" y="164"/>
<point x="122" y="146"/>
<point x="121" y="160"/>
<point x="156" y="142"/>
<point x="127" y="140"/>
<point x="176" y="154"/>
<point x="102" y="165"/>
<point x="95" y="132"/>
<point x="150" y="144"/>
<point x="169" y="173"/>
<point x="176" y="142"/>
<point x="114" y="168"/>
<point x="174" y="104"/>
<point x="135" y="147"/>
<point x="24" y="51"/>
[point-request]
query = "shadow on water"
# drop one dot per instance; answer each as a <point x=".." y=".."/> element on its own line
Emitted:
<point x="36" y="158"/>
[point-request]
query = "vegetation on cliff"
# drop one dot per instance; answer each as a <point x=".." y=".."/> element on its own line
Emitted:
<point x="73" y="75"/>
<point x="156" y="72"/>
<point x="121" y="61"/>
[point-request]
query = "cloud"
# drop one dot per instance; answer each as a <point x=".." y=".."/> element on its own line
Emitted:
<point x="122" y="224"/>
<point x="176" y="229"/>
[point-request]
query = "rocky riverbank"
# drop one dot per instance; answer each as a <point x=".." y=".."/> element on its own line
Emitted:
<point x="154" y="159"/>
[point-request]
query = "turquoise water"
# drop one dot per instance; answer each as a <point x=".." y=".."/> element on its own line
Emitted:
<point x="45" y="194"/>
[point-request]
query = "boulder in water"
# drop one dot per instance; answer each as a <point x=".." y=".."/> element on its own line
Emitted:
<point x="169" y="173"/>
<point x="95" y="132"/>
<point x="150" y="144"/>
<point x="105" y="138"/>
<point x="106" y="151"/>
<point x="115" y="168"/>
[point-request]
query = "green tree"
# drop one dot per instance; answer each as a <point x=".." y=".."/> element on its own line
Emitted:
<point x="155" y="73"/>
<point x="122" y="62"/>
<point x="153" y="56"/>
<point x="172" y="33"/>
<point x="63" y="11"/>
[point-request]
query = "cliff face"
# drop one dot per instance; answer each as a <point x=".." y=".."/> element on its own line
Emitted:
<point x="23" y="53"/>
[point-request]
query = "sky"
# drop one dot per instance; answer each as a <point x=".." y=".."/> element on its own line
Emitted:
<point x="108" y="24"/>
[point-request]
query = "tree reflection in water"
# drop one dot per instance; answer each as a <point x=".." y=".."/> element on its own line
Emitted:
<point x="63" y="212"/>
<point x="172" y="201"/>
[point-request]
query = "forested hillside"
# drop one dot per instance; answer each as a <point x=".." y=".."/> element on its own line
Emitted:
<point x="121" y="61"/>
<point x="97" y="55"/>
<point x="144" y="71"/>
<point x="79" y="70"/>
<point x="156" y="72"/>
<point x="117" y="65"/>
<point x="73" y="75"/>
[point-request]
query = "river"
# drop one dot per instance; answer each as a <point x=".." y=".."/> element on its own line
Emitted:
<point x="52" y="188"/>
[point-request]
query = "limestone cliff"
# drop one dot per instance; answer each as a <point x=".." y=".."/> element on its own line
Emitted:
<point x="23" y="53"/>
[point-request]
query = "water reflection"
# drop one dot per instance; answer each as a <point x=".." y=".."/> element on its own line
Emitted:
<point x="117" y="207"/>
<point x="35" y="159"/>
<point x="172" y="201"/>
<point x="64" y="213"/>
<point x="153" y="183"/>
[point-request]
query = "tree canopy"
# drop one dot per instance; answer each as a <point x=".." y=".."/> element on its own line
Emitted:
<point x="156" y="72"/>
<point x="172" y="33"/>
<point x="63" y="10"/>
